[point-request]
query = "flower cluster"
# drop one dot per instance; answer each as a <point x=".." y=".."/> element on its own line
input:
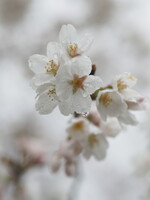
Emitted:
<point x="84" y="138"/>
<point x="63" y="76"/>
<point x="120" y="99"/>
<point x="66" y="77"/>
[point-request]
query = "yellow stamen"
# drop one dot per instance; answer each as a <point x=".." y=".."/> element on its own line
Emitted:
<point x="50" y="92"/>
<point x="77" y="82"/>
<point x="52" y="67"/>
<point x="92" y="139"/>
<point x="78" y="126"/>
<point x="132" y="77"/>
<point x="121" y="85"/>
<point x="105" y="99"/>
<point x="73" y="49"/>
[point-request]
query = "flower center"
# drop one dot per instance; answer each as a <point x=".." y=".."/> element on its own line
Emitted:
<point x="105" y="99"/>
<point x="92" y="140"/>
<point x="78" y="126"/>
<point x="77" y="82"/>
<point x="121" y="85"/>
<point x="50" y="92"/>
<point x="73" y="49"/>
<point x="131" y="77"/>
<point x="52" y="67"/>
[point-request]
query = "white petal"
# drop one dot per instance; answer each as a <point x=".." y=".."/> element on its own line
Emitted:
<point x="126" y="79"/>
<point x="87" y="153"/>
<point x="79" y="103"/>
<point x="99" y="150"/>
<point x="63" y="85"/>
<point x="67" y="33"/>
<point x="130" y="95"/>
<point x="111" y="128"/>
<point x="64" y="90"/>
<point x="65" y="75"/>
<point x="114" y="107"/>
<point x="91" y="84"/>
<point x="64" y="72"/>
<point x="37" y="63"/>
<point x="45" y="103"/>
<point x="81" y="66"/>
<point x="140" y="104"/>
<point x="85" y="42"/>
<point x="54" y="51"/>
<point x="64" y="108"/>
<point x="128" y="118"/>
<point x="42" y="88"/>
<point x="40" y="79"/>
<point x="78" y="132"/>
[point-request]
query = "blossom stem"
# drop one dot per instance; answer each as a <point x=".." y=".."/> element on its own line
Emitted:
<point x="93" y="69"/>
<point x="75" y="187"/>
<point x="94" y="95"/>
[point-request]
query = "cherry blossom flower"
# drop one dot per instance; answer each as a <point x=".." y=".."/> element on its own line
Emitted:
<point x="48" y="100"/>
<point x="66" y="78"/>
<point x="66" y="156"/>
<point x="76" y="85"/>
<point x="111" y="128"/>
<point x="78" y="129"/>
<point x="95" y="145"/>
<point x="72" y="44"/>
<point x="91" y="139"/>
<point x="110" y="104"/>
<point x="123" y="85"/>
<point x="45" y="67"/>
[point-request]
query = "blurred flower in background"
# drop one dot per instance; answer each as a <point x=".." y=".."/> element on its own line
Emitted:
<point x="27" y="140"/>
<point x="11" y="12"/>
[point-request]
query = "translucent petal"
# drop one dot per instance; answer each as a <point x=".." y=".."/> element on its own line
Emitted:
<point x="79" y="103"/>
<point x="40" y="79"/>
<point x="47" y="86"/>
<point x="128" y="118"/>
<point x="124" y="81"/>
<point x="85" y="42"/>
<point x="64" y="108"/>
<point x="64" y="90"/>
<point x="99" y="150"/>
<point x="130" y="95"/>
<point x="112" y="105"/>
<point x="37" y="63"/>
<point x="91" y="84"/>
<point x="63" y="79"/>
<point x="45" y="103"/>
<point x="54" y="51"/>
<point x="67" y="34"/>
<point x="81" y="66"/>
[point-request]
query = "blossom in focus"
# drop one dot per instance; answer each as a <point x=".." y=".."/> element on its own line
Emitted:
<point x="64" y="82"/>
<point x="47" y="99"/>
<point x="45" y="67"/>
<point x="75" y="85"/>
<point x="72" y="44"/>
<point x="66" y="78"/>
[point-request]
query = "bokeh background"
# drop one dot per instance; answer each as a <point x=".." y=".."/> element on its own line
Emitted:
<point x="121" y="31"/>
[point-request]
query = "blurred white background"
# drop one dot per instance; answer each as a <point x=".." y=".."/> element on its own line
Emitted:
<point x="121" y="31"/>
